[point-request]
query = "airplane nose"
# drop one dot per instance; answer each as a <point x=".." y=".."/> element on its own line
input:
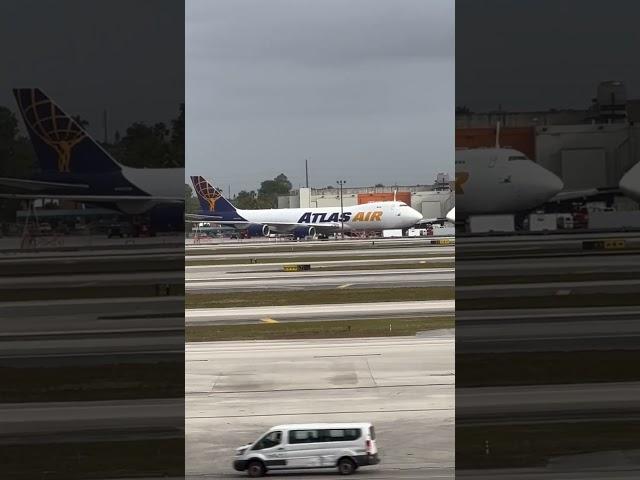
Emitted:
<point x="545" y="184"/>
<point x="630" y="183"/>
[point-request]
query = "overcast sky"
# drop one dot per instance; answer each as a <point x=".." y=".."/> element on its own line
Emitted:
<point x="123" y="56"/>
<point x="362" y="88"/>
<point x="536" y="55"/>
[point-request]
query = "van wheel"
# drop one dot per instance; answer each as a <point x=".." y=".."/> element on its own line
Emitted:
<point x="256" y="468"/>
<point x="346" y="466"/>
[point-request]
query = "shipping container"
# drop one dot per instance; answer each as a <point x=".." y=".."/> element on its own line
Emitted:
<point x="491" y="223"/>
<point x="518" y="138"/>
<point x="384" y="197"/>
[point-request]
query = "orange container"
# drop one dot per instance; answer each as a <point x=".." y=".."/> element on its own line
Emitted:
<point x="384" y="197"/>
<point x="520" y="138"/>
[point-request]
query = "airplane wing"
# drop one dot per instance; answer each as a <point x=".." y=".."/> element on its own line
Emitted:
<point x="578" y="194"/>
<point x="37" y="189"/>
<point x="35" y="185"/>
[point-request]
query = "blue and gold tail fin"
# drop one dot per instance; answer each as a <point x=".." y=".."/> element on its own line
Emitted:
<point x="210" y="198"/>
<point x="62" y="146"/>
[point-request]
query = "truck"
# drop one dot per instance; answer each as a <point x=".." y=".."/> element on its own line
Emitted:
<point x="491" y="223"/>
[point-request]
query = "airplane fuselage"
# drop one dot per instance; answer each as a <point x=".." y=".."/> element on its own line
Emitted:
<point x="365" y="217"/>
<point x="501" y="180"/>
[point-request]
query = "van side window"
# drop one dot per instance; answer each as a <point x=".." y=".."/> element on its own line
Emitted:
<point x="304" y="436"/>
<point x="340" y="435"/>
<point x="271" y="439"/>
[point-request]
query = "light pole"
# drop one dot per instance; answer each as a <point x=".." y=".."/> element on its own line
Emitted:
<point x="341" y="183"/>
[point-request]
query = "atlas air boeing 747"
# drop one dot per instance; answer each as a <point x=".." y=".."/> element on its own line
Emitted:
<point x="301" y="222"/>
<point x="73" y="166"/>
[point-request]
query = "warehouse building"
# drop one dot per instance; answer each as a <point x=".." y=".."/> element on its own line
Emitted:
<point x="590" y="148"/>
<point x="433" y="201"/>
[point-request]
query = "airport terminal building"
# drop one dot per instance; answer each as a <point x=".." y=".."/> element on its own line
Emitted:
<point x="433" y="201"/>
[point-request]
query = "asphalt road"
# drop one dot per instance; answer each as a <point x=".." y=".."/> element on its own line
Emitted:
<point x="98" y="420"/>
<point x="404" y="385"/>
<point x="548" y="329"/>
<point x="203" y="282"/>
<point x="547" y="403"/>
<point x="305" y="313"/>
<point x="330" y="254"/>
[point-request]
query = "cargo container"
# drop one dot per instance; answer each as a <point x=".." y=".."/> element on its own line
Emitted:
<point x="384" y="197"/>
<point x="543" y="221"/>
<point x="491" y="223"/>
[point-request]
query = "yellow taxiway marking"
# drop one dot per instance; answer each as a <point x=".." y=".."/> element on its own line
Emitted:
<point x="345" y="285"/>
<point x="269" y="320"/>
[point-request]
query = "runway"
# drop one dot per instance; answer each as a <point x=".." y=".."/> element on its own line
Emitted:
<point x="305" y="313"/>
<point x="547" y="403"/>
<point x="83" y="421"/>
<point x="548" y="329"/>
<point x="405" y="386"/>
<point x="422" y="277"/>
<point x="329" y="254"/>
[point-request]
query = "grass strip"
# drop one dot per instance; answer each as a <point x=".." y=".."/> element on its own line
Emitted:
<point x="101" y="382"/>
<point x="313" y="297"/>
<point x="94" y="460"/>
<point x="533" y="445"/>
<point x="544" y="368"/>
<point x="375" y="327"/>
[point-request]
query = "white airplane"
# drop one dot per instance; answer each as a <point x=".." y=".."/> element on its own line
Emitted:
<point x="501" y="180"/>
<point x="301" y="222"/>
<point x="630" y="182"/>
<point x="73" y="166"/>
<point x="451" y="216"/>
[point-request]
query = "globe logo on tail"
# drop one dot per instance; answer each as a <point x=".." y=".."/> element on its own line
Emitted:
<point x="51" y="125"/>
<point x="207" y="192"/>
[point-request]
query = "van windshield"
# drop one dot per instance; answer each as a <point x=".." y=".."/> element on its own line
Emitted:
<point x="271" y="439"/>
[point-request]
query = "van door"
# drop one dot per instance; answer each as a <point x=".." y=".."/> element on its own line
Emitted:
<point x="303" y="449"/>
<point x="271" y="448"/>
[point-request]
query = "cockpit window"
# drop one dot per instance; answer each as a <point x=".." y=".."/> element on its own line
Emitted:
<point x="514" y="158"/>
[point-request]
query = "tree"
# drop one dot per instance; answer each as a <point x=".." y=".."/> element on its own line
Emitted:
<point x="177" y="138"/>
<point x="145" y="147"/>
<point x="244" y="199"/>
<point x="17" y="159"/>
<point x="271" y="189"/>
<point x="379" y="184"/>
<point x="80" y="121"/>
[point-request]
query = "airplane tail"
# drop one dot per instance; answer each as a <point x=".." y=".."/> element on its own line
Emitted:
<point x="61" y="144"/>
<point x="211" y="199"/>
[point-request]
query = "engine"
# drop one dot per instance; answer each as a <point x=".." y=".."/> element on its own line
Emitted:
<point x="257" y="230"/>
<point x="303" y="232"/>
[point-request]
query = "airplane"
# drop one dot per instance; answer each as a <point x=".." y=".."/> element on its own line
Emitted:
<point x="630" y="182"/>
<point x="301" y="222"/>
<point x="73" y="166"/>
<point x="501" y="180"/>
<point x="451" y="215"/>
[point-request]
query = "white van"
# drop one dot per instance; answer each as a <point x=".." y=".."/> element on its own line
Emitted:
<point x="345" y="446"/>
